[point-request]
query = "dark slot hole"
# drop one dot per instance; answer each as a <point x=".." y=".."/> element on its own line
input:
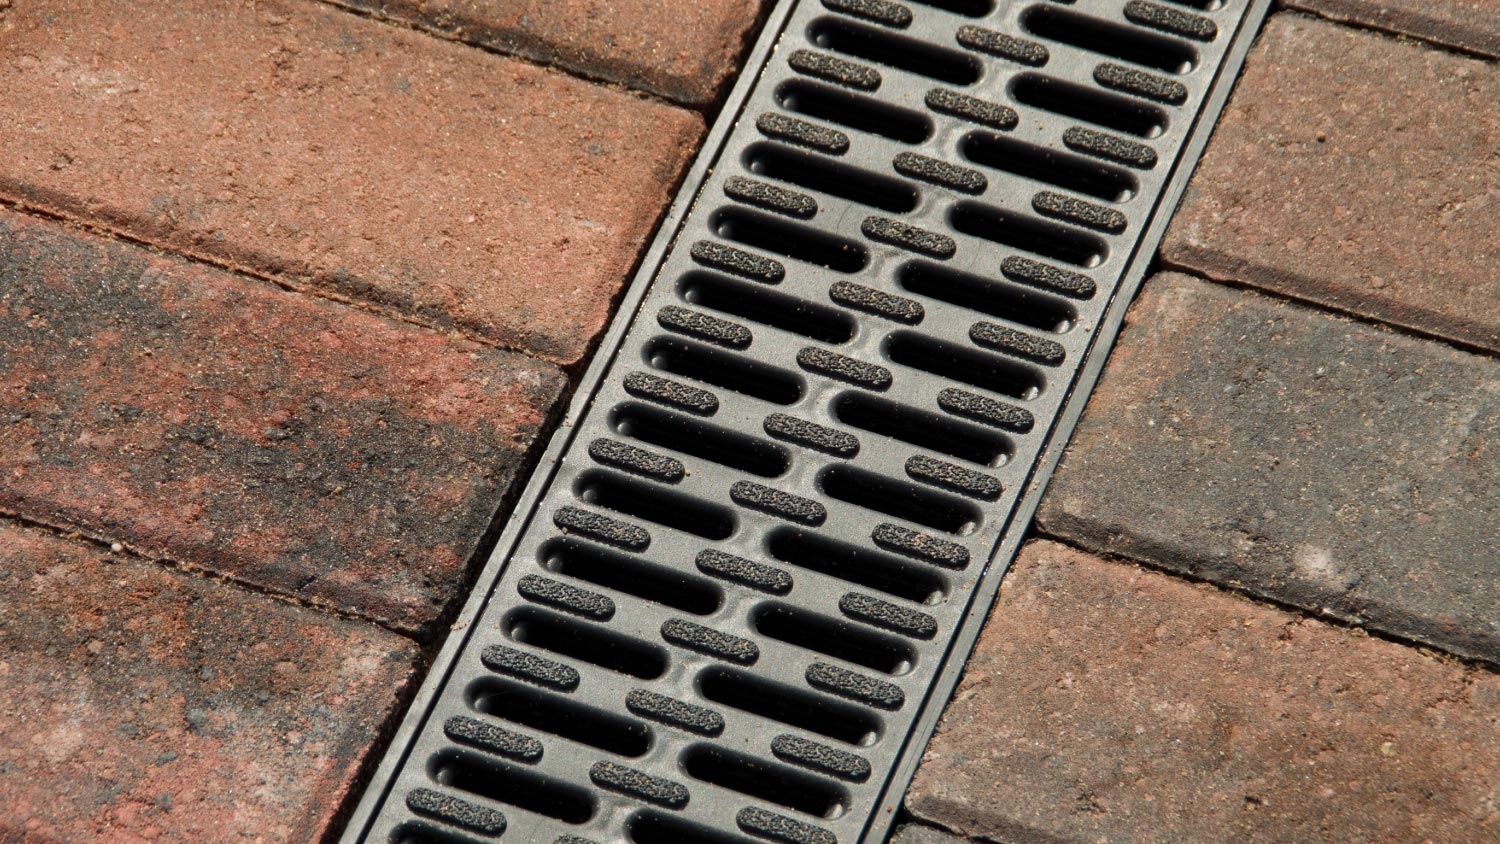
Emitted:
<point x="421" y="833"/>
<point x="724" y="369"/>
<point x="802" y="243"/>
<point x="838" y="639"/>
<point x="624" y="573"/>
<point x="1096" y="35"/>
<point x="1050" y="240"/>
<point x="589" y="643"/>
<point x="647" y="501"/>
<point x="923" y="429"/>
<point x="1202" y="5"/>
<point x="764" y="780"/>
<point x="1089" y="105"/>
<point x="863" y="114"/>
<point x="872" y="569"/>
<point x="560" y="716"/>
<point x="968" y="8"/>
<point x="1029" y="161"/>
<point x="519" y="787"/>
<point x="899" y="499"/>
<point x="909" y="54"/>
<point x="700" y="439"/>
<point x="833" y="178"/>
<point x="962" y="363"/>
<point x="757" y="304"/>
<point x="656" y="828"/>
<point x="1013" y="304"/>
<point x="789" y="705"/>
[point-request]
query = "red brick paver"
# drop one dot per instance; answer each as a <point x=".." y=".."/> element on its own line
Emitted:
<point x="1109" y="704"/>
<point x="334" y="151"/>
<point x="138" y="704"/>
<point x="1356" y="170"/>
<point x="292" y="443"/>
<point x="1306" y="457"/>
<point x="1465" y="24"/>
<point x="680" y="49"/>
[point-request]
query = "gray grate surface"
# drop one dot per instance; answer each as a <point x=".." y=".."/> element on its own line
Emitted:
<point x="736" y="595"/>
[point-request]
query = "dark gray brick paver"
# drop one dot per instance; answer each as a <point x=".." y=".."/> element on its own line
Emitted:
<point x="1298" y="455"/>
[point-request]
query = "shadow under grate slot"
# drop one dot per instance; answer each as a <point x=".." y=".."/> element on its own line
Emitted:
<point x="736" y="593"/>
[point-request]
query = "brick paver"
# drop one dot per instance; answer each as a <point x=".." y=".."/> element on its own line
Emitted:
<point x="1299" y="455"/>
<point x="138" y="704"/>
<point x="1355" y="170"/>
<point x="1110" y="704"/>
<point x="1465" y="24"/>
<point x="684" y="50"/>
<point x="285" y="441"/>
<point x="917" y="834"/>
<point x="335" y="151"/>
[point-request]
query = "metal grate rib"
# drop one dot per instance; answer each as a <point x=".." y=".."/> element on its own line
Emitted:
<point x="732" y="603"/>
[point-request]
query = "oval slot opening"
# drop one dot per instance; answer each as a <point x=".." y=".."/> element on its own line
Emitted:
<point x="560" y="716"/>
<point x="1029" y="234"/>
<point x="1016" y="304"/>
<point x="764" y="780"/>
<point x="1107" y="38"/>
<point x="1089" y="105"/>
<point x="1029" y="161"/>
<point x="862" y="114"/>
<point x="898" y="51"/>
<point x="586" y="642"/>
<point x="697" y="438"/>
<point x="790" y="705"/>
<point x="802" y="243"/>
<point x="964" y="364"/>
<point x="835" y="637"/>
<point x="630" y="575"/>
<point x="825" y="175"/>
<point x="767" y="307"/>
<point x="932" y="431"/>
<point x="728" y="370"/>
<point x="519" y="787"/>
<point x="647" y="501"/>
<point x="900" y="499"/>
<point x="858" y="565"/>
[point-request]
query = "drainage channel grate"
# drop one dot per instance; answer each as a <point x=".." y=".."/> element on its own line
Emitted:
<point x="733" y="601"/>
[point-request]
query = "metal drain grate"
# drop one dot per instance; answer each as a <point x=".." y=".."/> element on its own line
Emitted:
<point x="732" y="603"/>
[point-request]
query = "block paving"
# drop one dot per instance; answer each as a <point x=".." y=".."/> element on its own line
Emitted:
<point x="292" y="293"/>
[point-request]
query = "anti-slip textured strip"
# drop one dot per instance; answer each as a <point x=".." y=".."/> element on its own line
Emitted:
<point x="738" y="591"/>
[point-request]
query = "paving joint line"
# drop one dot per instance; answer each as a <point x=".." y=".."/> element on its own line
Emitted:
<point x="1245" y="593"/>
<point x="1317" y="306"/>
<point x="1403" y="36"/>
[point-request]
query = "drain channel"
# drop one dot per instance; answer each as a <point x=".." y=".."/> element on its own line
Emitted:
<point x="731" y="604"/>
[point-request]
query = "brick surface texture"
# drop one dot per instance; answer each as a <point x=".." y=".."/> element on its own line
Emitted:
<point x="1302" y="456"/>
<point x="291" y="443"/>
<point x="138" y="704"/>
<point x="683" y="50"/>
<point x="337" y="152"/>
<point x="1466" y="24"/>
<point x="1110" y="704"/>
<point x="1358" y="171"/>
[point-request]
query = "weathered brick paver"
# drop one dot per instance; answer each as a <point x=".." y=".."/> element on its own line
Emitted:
<point x="1355" y="170"/>
<point x="680" y="49"/>
<point x="138" y="704"/>
<point x="1299" y="455"/>
<point x="285" y="441"/>
<point x="917" y="834"/>
<point x="335" y="151"/>
<point x="1465" y="24"/>
<point x="1110" y="704"/>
